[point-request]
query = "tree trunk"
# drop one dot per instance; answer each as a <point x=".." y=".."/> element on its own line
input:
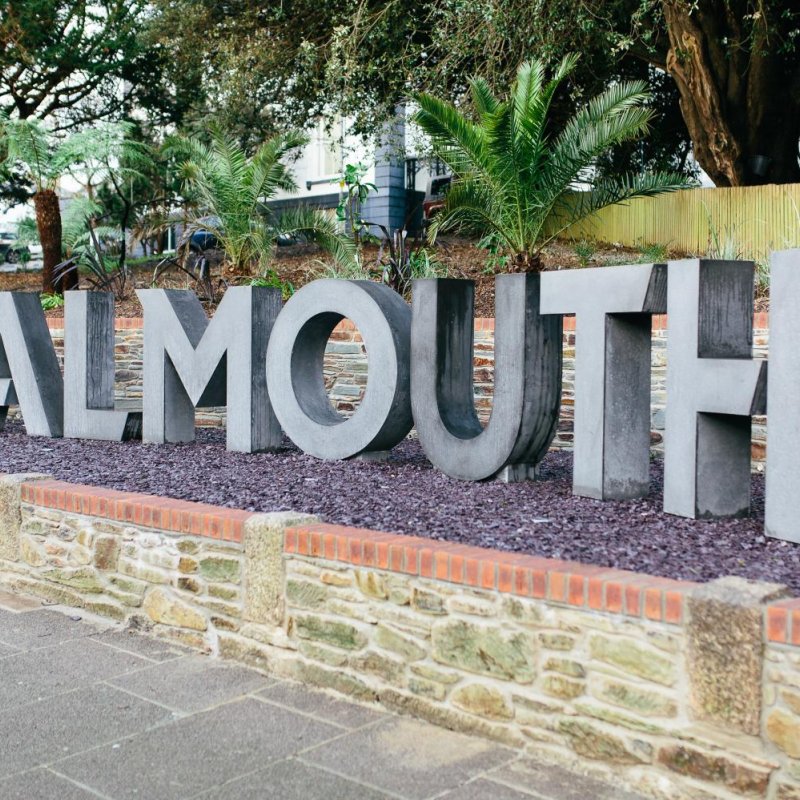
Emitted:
<point x="740" y="95"/>
<point x="48" y="223"/>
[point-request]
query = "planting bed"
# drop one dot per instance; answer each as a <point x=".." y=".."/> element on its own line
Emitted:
<point x="407" y="495"/>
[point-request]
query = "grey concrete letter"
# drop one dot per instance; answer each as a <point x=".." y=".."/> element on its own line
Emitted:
<point x="189" y="362"/>
<point x="782" y="517"/>
<point x="89" y="371"/>
<point x="612" y="307"/>
<point x="29" y="372"/>
<point x="295" y="363"/>
<point x="527" y="387"/>
<point x="713" y="387"/>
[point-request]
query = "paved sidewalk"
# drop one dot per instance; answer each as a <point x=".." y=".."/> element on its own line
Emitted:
<point x="89" y="710"/>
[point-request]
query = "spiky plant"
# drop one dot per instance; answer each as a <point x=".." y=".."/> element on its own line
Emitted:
<point x="513" y="172"/>
<point x="229" y="189"/>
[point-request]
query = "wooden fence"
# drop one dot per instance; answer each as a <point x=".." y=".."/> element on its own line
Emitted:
<point x="746" y="221"/>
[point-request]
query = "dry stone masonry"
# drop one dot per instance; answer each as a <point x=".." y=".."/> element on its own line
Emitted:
<point x="680" y="690"/>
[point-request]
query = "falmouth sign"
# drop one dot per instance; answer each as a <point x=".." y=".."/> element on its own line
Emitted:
<point x="264" y="362"/>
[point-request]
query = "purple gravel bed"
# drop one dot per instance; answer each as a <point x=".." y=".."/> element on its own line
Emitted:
<point x="406" y="494"/>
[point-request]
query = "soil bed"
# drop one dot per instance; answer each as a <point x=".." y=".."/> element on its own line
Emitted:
<point x="406" y="494"/>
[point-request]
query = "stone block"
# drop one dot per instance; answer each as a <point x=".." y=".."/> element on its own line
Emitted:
<point x="726" y="650"/>
<point x="381" y="666"/>
<point x="82" y="579"/>
<point x="264" y="572"/>
<point x="163" y="607"/>
<point x="329" y="631"/>
<point x="716" y="767"/>
<point x="592" y="741"/>
<point x="565" y="666"/>
<point x="106" y="552"/>
<point x="559" y="686"/>
<point x="305" y="594"/>
<point x="372" y="584"/>
<point x="11" y="514"/>
<point x="556" y="641"/>
<point x="635" y="698"/>
<point x="484" y="650"/>
<point x="485" y="701"/>
<point x="216" y="568"/>
<point x="783" y="729"/>
<point x="31" y="551"/>
<point x="629" y="656"/>
<point x="404" y="646"/>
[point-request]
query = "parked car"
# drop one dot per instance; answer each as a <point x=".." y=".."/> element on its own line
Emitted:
<point x="11" y="250"/>
<point x="435" y="195"/>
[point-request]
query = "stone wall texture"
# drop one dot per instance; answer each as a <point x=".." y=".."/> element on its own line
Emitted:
<point x="680" y="690"/>
<point x="346" y="374"/>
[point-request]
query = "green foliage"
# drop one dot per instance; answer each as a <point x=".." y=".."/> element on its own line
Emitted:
<point x="356" y="192"/>
<point x="584" y="250"/>
<point x="51" y="301"/>
<point x="42" y="156"/>
<point x="26" y="231"/>
<point x="513" y="171"/>
<point x="653" y="253"/>
<point x="228" y="189"/>
<point x="271" y="279"/>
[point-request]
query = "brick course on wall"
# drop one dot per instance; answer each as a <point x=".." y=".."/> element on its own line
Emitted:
<point x="680" y="690"/>
<point x="346" y="374"/>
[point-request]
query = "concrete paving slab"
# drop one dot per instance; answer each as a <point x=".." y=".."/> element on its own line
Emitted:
<point x="321" y="705"/>
<point x="7" y="650"/>
<point x="193" y="683"/>
<point x="293" y="780"/>
<point x="198" y="752"/>
<point x="145" y="646"/>
<point x="408" y="757"/>
<point x="36" y="674"/>
<point x="42" y="732"/>
<point x="482" y="789"/>
<point x="41" y="628"/>
<point x="42" y="784"/>
<point x="555" y="783"/>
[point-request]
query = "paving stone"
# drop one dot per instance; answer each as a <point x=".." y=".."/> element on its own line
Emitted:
<point x="42" y="784"/>
<point x="556" y="783"/>
<point x="340" y="712"/>
<point x="198" y="752"/>
<point x="192" y="684"/>
<point x="294" y="780"/>
<point x="408" y="757"/>
<point x="144" y="646"/>
<point x="7" y="650"/>
<point x="482" y="789"/>
<point x="38" y="674"/>
<point x="41" y="628"/>
<point x="41" y="732"/>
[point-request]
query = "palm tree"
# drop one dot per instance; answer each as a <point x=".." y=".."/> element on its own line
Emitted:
<point x="229" y="190"/>
<point x="513" y="173"/>
<point x="43" y="159"/>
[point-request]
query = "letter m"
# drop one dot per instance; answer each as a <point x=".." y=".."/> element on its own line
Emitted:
<point x="191" y="362"/>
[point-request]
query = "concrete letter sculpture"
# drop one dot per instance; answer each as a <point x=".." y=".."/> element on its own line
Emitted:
<point x="713" y="387"/>
<point x="295" y="376"/>
<point x="29" y="372"/>
<point x="189" y="362"/>
<point x="89" y="371"/>
<point x="527" y="387"/>
<point x="782" y="516"/>
<point x="612" y="307"/>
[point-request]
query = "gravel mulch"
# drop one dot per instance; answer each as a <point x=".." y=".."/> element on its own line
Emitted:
<point x="406" y="494"/>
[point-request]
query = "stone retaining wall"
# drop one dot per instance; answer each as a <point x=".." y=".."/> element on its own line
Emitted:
<point x="683" y="691"/>
<point x="346" y="374"/>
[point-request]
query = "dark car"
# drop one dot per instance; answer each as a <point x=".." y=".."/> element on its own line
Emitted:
<point x="435" y="196"/>
<point x="11" y="250"/>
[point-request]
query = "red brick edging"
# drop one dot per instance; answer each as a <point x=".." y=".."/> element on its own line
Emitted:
<point x="760" y="322"/>
<point x="631" y="594"/>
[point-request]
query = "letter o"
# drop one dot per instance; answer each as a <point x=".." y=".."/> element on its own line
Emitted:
<point x="295" y="368"/>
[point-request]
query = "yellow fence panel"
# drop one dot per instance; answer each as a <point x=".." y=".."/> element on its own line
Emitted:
<point x="748" y="221"/>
